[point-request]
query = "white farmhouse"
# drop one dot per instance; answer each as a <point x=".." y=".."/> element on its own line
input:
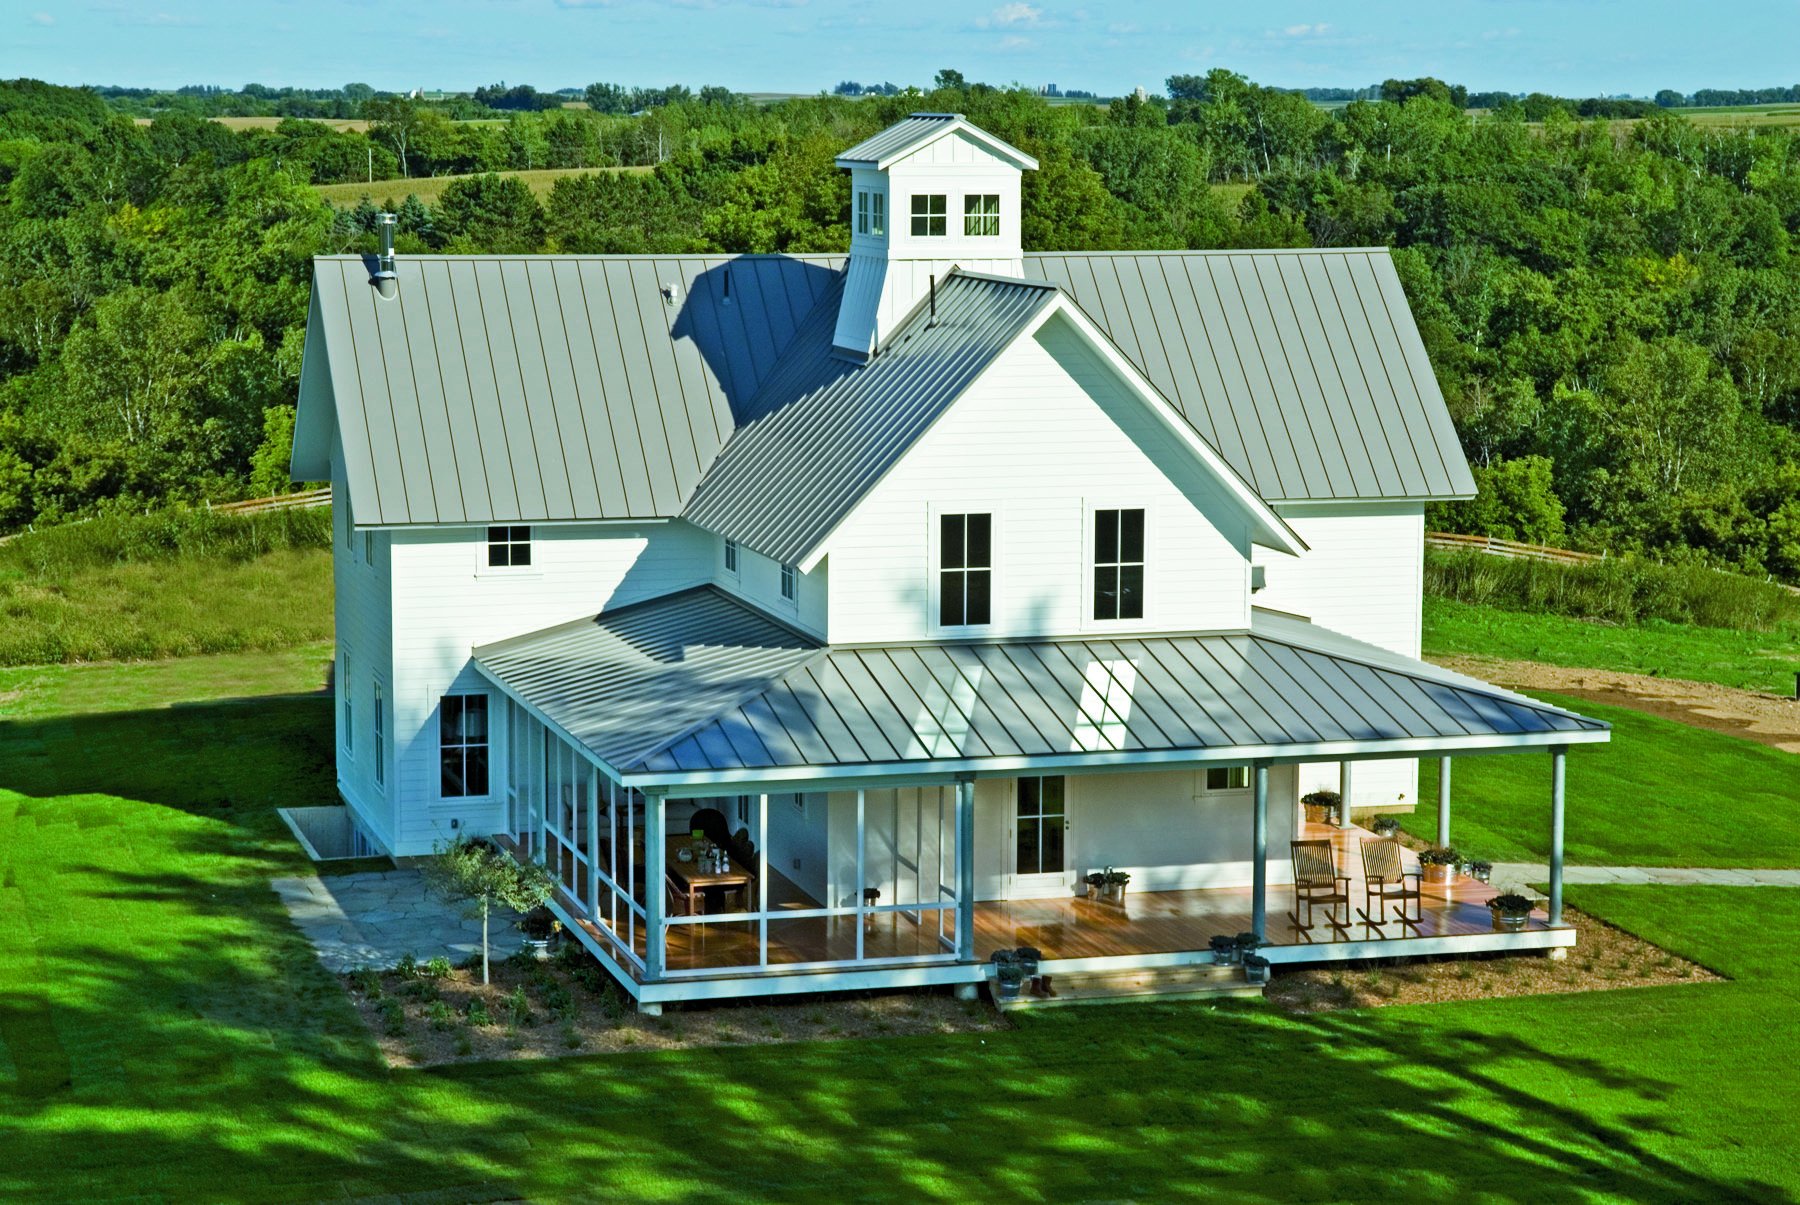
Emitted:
<point x="926" y="582"/>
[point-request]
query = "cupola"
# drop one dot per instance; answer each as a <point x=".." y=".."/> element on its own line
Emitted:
<point x="927" y="194"/>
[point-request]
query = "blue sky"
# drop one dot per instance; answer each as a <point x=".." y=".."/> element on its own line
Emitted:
<point x="1570" y="47"/>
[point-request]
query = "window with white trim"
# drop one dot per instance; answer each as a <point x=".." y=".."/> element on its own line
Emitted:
<point x="877" y="213"/>
<point x="509" y="547"/>
<point x="930" y="215"/>
<point x="981" y="214"/>
<point x="731" y="556"/>
<point x="862" y="211"/>
<point x="463" y="746"/>
<point x="369" y="548"/>
<point x="1227" y="778"/>
<point x="379" y="728"/>
<point x="965" y="570"/>
<point x="1119" y="564"/>
<point x="347" y="692"/>
<point x="790" y="583"/>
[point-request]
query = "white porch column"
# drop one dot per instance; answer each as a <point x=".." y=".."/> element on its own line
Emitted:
<point x="762" y="880"/>
<point x="593" y="842"/>
<point x="965" y="870"/>
<point x="1559" y="756"/>
<point x="1443" y="836"/>
<point x="1259" y="869"/>
<point x="654" y="875"/>
<point x="1344" y="785"/>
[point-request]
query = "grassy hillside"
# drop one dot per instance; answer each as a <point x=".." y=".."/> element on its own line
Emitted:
<point x="164" y="585"/>
<point x="429" y="188"/>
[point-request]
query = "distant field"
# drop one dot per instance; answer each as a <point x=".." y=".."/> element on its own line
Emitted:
<point x="269" y="123"/>
<point x="429" y="188"/>
<point x="1232" y="195"/>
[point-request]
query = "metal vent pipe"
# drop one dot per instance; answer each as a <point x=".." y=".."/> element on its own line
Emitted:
<point x="385" y="281"/>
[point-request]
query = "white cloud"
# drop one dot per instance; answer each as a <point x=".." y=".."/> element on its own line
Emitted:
<point x="42" y="19"/>
<point x="1019" y="14"/>
<point x="1013" y="41"/>
<point x="1306" y="31"/>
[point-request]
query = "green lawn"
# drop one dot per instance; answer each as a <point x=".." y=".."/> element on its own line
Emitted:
<point x="1750" y="660"/>
<point x="165" y="1035"/>
<point x="1660" y="793"/>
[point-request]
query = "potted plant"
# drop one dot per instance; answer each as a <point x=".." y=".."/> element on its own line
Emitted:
<point x="1481" y="871"/>
<point x="1224" y="949"/>
<point x="1510" y="912"/>
<point x="1385" y="826"/>
<point x="539" y="926"/>
<point x="1009" y="973"/>
<point x="1256" y="969"/>
<point x="1321" y="806"/>
<point x="1112" y="885"/>
<point x="1438" y="865"/>
<point x="1095" y="880"/>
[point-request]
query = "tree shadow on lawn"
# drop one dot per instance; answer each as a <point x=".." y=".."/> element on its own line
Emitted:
<point x="200" y="1050"/>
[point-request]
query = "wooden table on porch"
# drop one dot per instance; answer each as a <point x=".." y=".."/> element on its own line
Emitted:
<point x="692" y="880"/>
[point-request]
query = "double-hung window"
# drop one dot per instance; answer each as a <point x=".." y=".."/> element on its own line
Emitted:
<point x="1228" y="778"/>
<point x="347" y="692"/>
<point x="508" y="547"/>
<point x="1119" y="564"/>
<point x="930" y="215"/>
<point x="463" y="746"/>
<point x="862" y="211"/>
<point x="877" y="213"/>
<point x="380" y="731"/>
<point x="790" y="583"/>
<point x="965" y="570"/>
<point x="731" y="556"/>
<point x="981" y="214"/>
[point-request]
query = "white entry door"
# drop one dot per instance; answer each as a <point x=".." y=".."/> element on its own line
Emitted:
<point x="1039" y="839"/>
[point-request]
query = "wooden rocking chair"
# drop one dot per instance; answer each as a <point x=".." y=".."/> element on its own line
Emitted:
<point x="1384" y="879"/>
<point x="1317" y="881"/>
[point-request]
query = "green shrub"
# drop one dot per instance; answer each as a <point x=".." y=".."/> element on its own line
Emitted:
<point x="477" y="1012"/>
<point x="1625" y="590"/>
<point x="367" y="981"/>
<point x="1514" y="500"/>
<point x="407" y="967"/>
<point x="440" y="1016"/>
<point x="518" y="1008"/>
<point x="393" y="1017"/>
<point x="436" y="968"/>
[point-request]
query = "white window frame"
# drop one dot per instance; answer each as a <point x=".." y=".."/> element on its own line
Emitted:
<point x="927" y="216"/>
<point x="369" y="548"/>
<point x="982" y="215"/>
<point x="487" y="543"/>
<point x="1203" y="786"/>
<point x="378" y="727"/>
<point x="934" y="566"/>
<point x="789" y="585"/>
<point x="347" y="693"/>
<point x="862" y="211"/>
<point x="488" y="744"/>
<point x="732" y="557"/>
<point x="877" y="213"/>
<point x="1089" y="522"/>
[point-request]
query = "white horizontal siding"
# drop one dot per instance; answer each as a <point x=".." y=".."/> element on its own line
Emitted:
<point x="1044" y="436"/>
<point x="1363" y="576"/>
<point x="364" y="632"/>
<point x="758" y="582"/>
<point x="446" y="601"/>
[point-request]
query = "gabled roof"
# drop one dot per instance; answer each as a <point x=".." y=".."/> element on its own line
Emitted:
<point x="919" y="130"/>
<point x="533" y="388"/>
<point x="822" y="430"/>
<point x="1303" y="368"/>
<point x="700" y="687"/>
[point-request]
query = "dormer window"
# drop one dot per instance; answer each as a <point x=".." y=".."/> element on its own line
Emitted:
<point x="862" y="211"/>
<point x="930" y="215"/>
<point x="790" y="583"/>
<point x="981" y="214"/>
<point x="870" y="218"/>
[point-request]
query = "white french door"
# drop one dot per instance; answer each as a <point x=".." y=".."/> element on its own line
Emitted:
<point x="1038" y="837"/>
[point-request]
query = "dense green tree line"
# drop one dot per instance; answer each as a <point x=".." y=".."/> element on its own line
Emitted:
<point x="1612" y="309"/>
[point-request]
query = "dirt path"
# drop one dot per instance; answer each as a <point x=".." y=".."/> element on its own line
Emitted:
<point x="1769" y="719"/>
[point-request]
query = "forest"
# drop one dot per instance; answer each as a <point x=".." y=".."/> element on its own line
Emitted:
<point x="1611" y="304"/>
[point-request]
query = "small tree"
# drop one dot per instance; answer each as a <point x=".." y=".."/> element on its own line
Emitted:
<point x="471" y="872"/>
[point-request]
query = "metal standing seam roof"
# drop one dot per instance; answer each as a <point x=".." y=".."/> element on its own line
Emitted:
<point x="700" y="684"/>
<point x="822" y="430"/>
<point x="1303" y="368"/>
<point x="527" y="388"/>
<point x="916" y="130"/>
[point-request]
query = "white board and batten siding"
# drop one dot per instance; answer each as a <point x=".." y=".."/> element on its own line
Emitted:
<point x="446" y="600"/>
<point x="1047" y="436"/>
<point x="1364" y="577"/>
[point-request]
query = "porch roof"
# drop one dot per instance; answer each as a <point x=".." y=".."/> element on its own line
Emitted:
<point x="699" y="688"/>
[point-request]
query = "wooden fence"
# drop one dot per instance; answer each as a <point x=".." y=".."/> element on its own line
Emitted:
<point x="304" y="500"/>
<point x="1495" y="546"/>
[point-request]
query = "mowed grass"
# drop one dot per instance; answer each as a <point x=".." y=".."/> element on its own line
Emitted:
<point x="429" y="188"/>
<point x="1660" y="793"/>
<point x="166" y="1035"/>
<point x="179" y="583"/>
<point x="1764" y="661"/>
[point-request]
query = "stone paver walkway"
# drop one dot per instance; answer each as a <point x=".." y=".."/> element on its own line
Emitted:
<point x="375" y="918"/>
<point x="1520" y="874"/>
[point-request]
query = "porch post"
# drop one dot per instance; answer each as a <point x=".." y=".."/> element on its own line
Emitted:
<point x="1559" y="755"/>
<point x="965" y="870"/>
<point x="593" y="842"/>
<point x="862" y="846"/>
<point x="654" y="874"/>
<point x="1344" y="787"/>
<point x="762" y="879"/>
<point x="1444" y="800"/>
<point x="1259" y="868"/>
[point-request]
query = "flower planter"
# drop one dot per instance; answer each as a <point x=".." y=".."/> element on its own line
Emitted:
<point x="1114" y="894"/>
<point x="1318" y="814"/>
<point x="537" y="947"/>
<point x="1439" y="874"/>
<point x="1510" y="922"/>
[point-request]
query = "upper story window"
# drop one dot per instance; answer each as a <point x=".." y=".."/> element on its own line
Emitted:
<point x="508" y="547"/>
<point x="368" y="548"/>
<point x="981" y="213"/>
<point x="731" y="556"/>
<point x="790" y="583"/>
<point x="862" y="211"/>
<point x="878" y="213"/>
<point x="965" y="570"/>
<point x="1228" y="778"/>
<point x="347" y="692"/>
<point x="463" y="746"/>
<point x="930" y="215"/>
<point x="1119" y="564"/>
<point x="380" y="732"/>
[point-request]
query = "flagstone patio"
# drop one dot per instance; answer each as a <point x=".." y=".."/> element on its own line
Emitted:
<point x="375" y="918"/>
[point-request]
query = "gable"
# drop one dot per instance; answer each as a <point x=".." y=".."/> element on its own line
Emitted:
<point x="315" y="409"/>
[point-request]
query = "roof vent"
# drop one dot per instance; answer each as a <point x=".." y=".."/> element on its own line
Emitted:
<point x="671" y="292"/>
<point x="385" y="281"/>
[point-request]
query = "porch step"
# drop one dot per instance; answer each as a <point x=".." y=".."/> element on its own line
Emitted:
<point x="1113" y="987"/>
